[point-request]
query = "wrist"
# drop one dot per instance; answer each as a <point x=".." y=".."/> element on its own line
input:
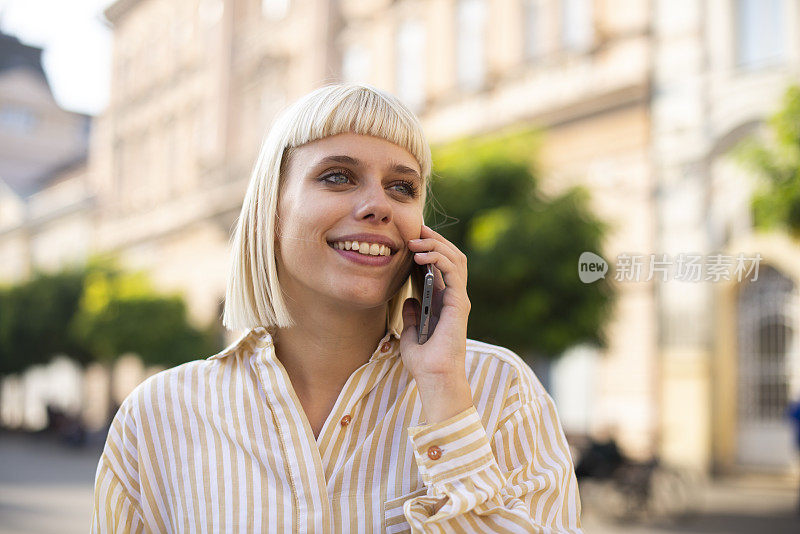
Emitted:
<point x="444" y="397"/>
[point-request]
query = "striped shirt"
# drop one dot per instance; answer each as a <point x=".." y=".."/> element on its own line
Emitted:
<point x="223" y="445"/>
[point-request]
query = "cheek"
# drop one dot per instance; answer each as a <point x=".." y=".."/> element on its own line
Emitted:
<point x="308" y="220"/>
<point x="410" y="222"/>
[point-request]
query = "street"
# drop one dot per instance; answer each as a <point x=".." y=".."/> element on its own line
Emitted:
<point x="46" y="487"/>
<point x="744" y="504"/>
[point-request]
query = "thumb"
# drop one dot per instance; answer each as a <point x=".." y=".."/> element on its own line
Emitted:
<point x="410" y="314"/>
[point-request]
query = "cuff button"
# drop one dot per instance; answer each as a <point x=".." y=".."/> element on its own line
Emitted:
<point x="434" y="453"/>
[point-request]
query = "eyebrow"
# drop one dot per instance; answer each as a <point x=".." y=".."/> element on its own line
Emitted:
<point x="397" y="168"/>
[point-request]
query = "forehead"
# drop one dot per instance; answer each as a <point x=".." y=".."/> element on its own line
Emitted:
<point x="371" y="150"/>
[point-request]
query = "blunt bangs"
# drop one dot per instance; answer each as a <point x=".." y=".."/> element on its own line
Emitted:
<point x="254" y="297"/>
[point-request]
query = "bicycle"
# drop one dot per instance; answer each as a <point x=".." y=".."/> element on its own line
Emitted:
<point x="625" y="490"/>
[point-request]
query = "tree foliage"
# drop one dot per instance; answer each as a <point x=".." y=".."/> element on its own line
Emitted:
<point x="776" y="159"/>
<point x="523" y="248"/>
<point x="35" y="318"/>
<point x="96" y="313"/>
<point x="120" y="312"/>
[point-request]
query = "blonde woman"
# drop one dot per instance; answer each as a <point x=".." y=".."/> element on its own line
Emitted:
<point x="327" y="415"/>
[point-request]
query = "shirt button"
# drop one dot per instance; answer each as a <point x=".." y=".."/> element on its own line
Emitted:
<point x="386" y="346"/>
<point x="434" y="453"/>
<point x="345" y="420"/>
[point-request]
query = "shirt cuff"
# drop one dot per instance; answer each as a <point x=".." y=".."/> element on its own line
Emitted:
<point x="453" y="449"/>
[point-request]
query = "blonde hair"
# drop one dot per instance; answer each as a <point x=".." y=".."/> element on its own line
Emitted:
<point x="254" y="297"/>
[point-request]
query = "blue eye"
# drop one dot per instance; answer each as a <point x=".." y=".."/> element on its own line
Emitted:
<point x="407" y="188"/>
<point x="342" y="177"/>
<point x="336" y="182"/>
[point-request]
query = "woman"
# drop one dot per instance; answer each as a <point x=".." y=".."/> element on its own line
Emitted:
<point x="327" y="415"/>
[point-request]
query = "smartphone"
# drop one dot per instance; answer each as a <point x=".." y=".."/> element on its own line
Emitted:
<point x="425" y="281"/>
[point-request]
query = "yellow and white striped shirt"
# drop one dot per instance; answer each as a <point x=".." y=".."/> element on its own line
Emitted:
<point x="223" y="445"/>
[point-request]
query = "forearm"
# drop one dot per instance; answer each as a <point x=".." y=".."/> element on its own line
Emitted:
<point x="444" y="396"/>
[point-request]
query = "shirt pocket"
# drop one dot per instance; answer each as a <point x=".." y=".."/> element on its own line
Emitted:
<point x="393" y="519"/>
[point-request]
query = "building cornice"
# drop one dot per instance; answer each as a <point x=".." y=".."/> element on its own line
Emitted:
<point x="118" y="9"/>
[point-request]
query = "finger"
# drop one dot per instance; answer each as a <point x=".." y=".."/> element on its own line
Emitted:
<point x="433" y="321"/>
<point x="410" y="314"/>
<point x="447" y="249"/>
<point x="438" y="281"/>
<point x="429" y="232"/>
<point x="449" y="272"/>
<point x="431" y="243"/>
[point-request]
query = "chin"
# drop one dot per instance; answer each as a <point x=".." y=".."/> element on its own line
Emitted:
<point x="365" y="299"/>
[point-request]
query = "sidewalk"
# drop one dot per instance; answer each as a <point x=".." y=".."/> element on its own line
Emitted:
<point x="45" y="486"/>
<point x="743" y="504"/>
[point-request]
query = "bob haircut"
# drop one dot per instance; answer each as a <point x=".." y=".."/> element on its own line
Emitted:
<point x="254" y="297"/>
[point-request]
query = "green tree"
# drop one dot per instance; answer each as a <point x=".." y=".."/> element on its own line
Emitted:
<point x="95" y="313"/>
<point x="776" y="160"/>
<point x="522" y="248"/>
<point x="120" y="312"/>
<point x="35" y="318"/>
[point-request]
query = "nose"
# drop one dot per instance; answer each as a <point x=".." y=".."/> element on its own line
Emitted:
<point x="374" y="206"/>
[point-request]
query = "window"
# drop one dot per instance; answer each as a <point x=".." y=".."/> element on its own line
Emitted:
<point x="124" y="74"/>
<point x="470" y="60"/>
<point x="577" y="32"/>
<point x="355" y="63"/>
<point x="530" y="28"/>
<point x="274" y="9"/>
<point x="760" y="37"/>
<point x="19" y="120"/>
<point x="772" y="382"/>
<point x="410" y="71"/>
<point x="86" y="126"/>
<point x="766" y="317"/>
<point x="170" y="157"/>
<point x="210" y="11"/>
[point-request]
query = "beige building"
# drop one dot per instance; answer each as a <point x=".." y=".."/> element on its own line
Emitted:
<point x="45" y="202"/>
<point x="641" y="102"/>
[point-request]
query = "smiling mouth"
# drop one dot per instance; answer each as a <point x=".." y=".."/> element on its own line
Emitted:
<point x="363" y="248"/>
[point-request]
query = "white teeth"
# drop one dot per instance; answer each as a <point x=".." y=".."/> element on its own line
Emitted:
<point x="368" y="249"/>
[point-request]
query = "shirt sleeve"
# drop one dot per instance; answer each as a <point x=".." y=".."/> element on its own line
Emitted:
<point x="116" y="507"/>
<point x="532" y="488"/>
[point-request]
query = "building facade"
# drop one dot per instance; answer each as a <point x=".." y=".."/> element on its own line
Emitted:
<point x="641" y="102"/>
<point x="45" y="199"/>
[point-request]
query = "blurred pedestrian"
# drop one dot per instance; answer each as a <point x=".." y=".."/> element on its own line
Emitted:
<point x="794" y="413"/>
<point x="600" y="460"/>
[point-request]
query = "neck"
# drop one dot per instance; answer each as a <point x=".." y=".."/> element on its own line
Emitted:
<point x="325" y="346"/>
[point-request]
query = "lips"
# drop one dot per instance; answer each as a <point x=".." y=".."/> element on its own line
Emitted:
<point x="363" y="259"/>
<point x="367" y="238"/>
<point x="367" y="249"/>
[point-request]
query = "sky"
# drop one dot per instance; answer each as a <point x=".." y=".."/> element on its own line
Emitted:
<point x="76" y="43"/>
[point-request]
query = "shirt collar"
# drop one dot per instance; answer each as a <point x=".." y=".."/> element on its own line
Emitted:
<point x="259" y="336"/>
<point x="254" y="337"/>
